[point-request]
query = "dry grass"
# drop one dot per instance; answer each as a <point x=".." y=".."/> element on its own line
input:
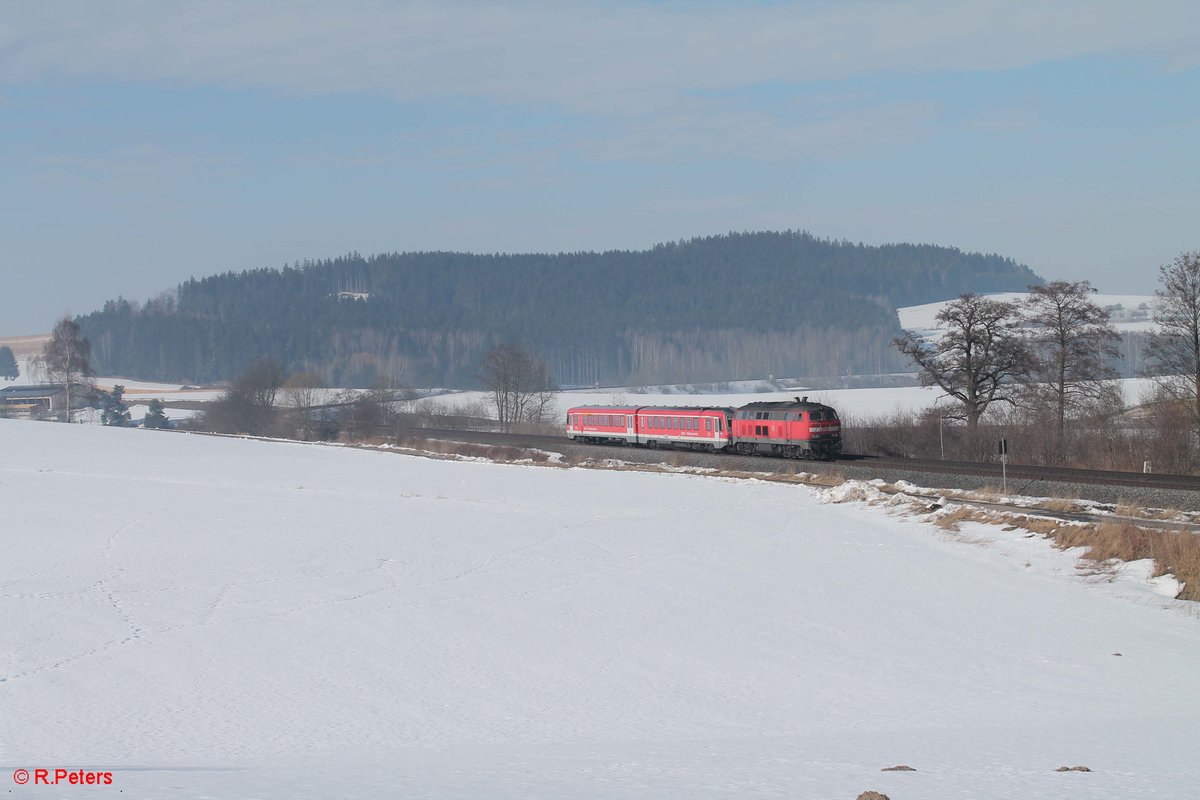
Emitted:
<point x="828" y="477"/>
<point x="1126" y="509"/>
<point x="960" y="513"/>
<point x="1174" y="552"/>
<point x="1060" y="505"/>
<point x="1040" y="525"/>
<point x="504" y="454"/>
<point x="984" y="494"/>
<point x="677" y="459"/>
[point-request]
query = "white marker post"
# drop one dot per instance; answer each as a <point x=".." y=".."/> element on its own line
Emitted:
<point x="1004" y="466"/>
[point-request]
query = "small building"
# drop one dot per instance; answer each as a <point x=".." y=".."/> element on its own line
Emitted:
<point x="42" y="400"/>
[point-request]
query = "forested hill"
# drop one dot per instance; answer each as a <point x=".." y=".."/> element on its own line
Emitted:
<point x="715" y="308"/>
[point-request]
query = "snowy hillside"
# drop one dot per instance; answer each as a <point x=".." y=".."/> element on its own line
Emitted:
<point x="1128" y="312"/>
<point x="225" y="618"/>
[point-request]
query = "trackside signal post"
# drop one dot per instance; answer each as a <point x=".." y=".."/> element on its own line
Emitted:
<point x="1003" y="448"/>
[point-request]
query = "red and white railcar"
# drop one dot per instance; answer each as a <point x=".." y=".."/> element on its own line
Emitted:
<point x="694" y="427"/>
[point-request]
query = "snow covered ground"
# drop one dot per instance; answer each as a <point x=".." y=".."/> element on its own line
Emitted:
<point x="1128" y="312"/>
<point x="210" y="617"/>
<point x="849" y="402"/>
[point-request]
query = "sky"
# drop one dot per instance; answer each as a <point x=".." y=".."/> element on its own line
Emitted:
<point x="144" y="143"/>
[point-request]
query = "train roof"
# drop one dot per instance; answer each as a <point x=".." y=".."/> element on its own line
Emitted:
<point x="631" y="409"/>
<point x="800" y="404"/>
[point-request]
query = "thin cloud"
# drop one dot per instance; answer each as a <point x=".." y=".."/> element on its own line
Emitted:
<point x="633" y="71"/>
<point x="594" y="58"/>
<point x="714" y="130"/>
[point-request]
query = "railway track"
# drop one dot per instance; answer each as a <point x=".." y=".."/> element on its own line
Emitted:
<point x="1026" y="472"/>
<point x="1016" y="473"/>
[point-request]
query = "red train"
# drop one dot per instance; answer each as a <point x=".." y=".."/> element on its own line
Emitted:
<point x="793" y="428"/>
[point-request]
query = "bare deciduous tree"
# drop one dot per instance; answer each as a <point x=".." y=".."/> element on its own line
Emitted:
<point x="1173" y="353"/>
<point x="248" y="406"/>
<point x="980" y="358"/>
<point x="66" y="358"/>
<point x="301" y="391"/>
<point x="520" y="384"/>
<point x="1072" y="345"/>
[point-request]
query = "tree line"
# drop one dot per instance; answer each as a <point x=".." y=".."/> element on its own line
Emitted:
<point x="1049" y="360"/>
<point x="265" y="400"/>
<point x="727" y="307"/>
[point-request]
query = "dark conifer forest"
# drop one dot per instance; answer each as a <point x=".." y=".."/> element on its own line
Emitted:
<point x="717" y="308"/>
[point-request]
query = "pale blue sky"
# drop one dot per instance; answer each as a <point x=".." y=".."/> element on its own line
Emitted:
<point x="142" y="143"/>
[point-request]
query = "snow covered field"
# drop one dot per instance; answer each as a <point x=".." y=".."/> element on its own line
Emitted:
<point x="856" y="402"/>
<point x="213" y="617"/>
<point x="1128" y="312"/>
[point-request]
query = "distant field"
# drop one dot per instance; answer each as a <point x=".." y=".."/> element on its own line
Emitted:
<point x="26" y="345"/>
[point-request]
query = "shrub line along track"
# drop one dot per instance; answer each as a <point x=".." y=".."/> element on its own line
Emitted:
<point x="1152" y="491"/>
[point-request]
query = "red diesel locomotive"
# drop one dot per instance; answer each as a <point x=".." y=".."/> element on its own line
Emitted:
<point x="792" y="428"/>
